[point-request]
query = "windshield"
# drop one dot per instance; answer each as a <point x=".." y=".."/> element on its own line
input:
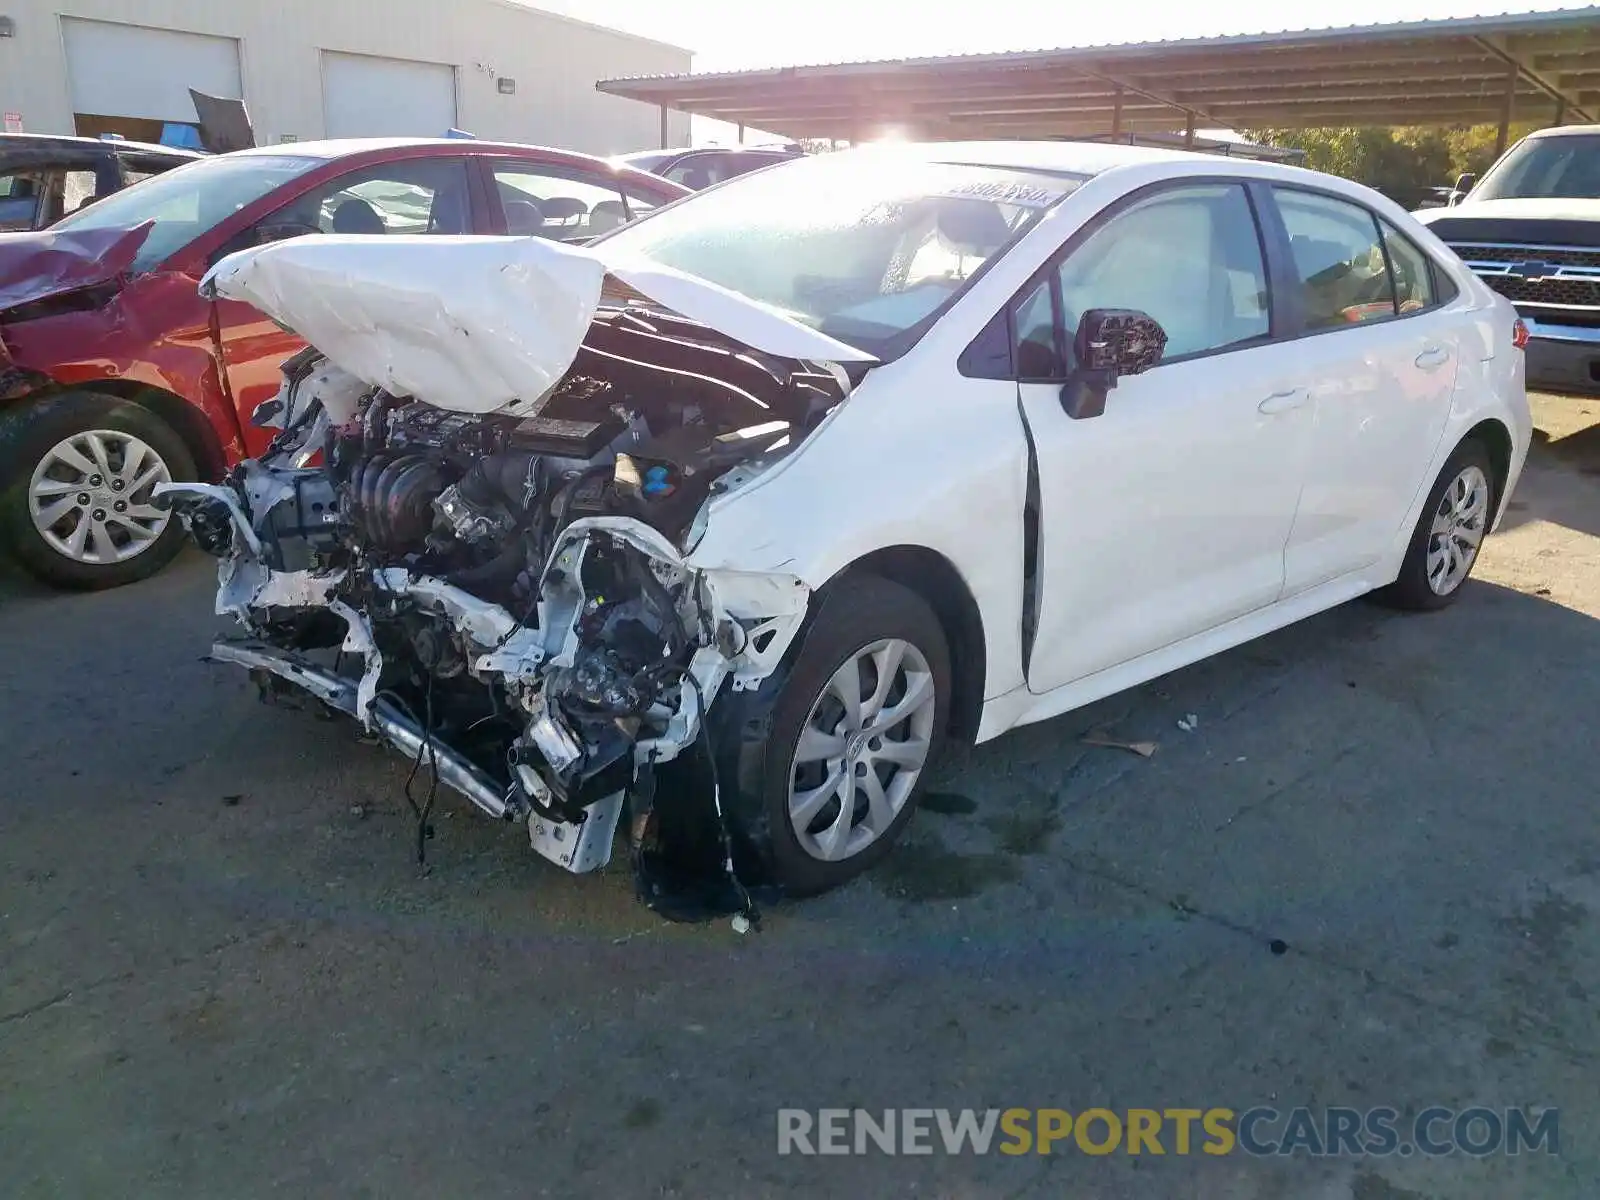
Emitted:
<point x="189" y="200"/>
<point x="869" y="249"/>
<point x="1546" y="168"/>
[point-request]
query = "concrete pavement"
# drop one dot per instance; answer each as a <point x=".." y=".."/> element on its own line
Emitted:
<point x="222" y="975"/>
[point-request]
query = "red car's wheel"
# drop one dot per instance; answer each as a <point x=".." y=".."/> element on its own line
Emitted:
<point x="77" y="473"/>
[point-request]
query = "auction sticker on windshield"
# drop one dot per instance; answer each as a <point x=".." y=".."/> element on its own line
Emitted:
<point x="1022" y="195"/>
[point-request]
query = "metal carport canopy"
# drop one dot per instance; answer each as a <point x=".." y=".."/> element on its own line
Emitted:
<point x="1541" y="67"/>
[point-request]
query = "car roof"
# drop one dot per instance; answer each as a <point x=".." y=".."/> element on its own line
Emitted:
<point x="1075" y="158"/>
<point x="741" y="150"/>
<point x="1566" y="131"/>
<point x="332" y="148"/>
<point x="69" y="141"/>
<point x="671" y="157"/>
<point x="1089" y="159"/>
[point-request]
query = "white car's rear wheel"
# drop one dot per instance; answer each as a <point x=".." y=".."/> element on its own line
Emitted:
<point x="1449" y="534"/>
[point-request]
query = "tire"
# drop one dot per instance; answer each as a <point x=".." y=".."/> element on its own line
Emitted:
<point x="869" y="622"/>
<point x="127" y="544"/>
<point x="1466" y="485"/>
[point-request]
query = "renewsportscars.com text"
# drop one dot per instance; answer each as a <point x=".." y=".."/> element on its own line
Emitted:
<point x="1259" y="1132"/>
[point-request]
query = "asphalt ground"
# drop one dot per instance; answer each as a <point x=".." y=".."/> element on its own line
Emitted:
<point x="1368" y="877"/>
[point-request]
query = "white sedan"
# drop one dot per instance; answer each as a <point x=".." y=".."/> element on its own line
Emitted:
<point x="791" y="480"/>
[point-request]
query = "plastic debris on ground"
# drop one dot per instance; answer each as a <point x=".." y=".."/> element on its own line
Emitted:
<point x="1100" y="738"/>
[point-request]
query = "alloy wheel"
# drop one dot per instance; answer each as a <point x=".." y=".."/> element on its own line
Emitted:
<point x="90" y="497"/>
<point x="862" y="749"/>
<point x="1459" y="524"/>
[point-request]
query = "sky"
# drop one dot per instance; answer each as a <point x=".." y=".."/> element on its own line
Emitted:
<point x="733" y="35"/>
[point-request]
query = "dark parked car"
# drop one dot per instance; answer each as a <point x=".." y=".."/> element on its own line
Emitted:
<point x="697" y="169"/>
<point x="44" y="178"/>
<point x="117" y="375"/>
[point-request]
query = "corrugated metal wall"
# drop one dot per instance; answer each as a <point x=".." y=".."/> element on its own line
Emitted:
<point x="554" y="62"/>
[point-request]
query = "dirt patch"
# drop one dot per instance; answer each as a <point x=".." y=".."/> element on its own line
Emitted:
<point x="1023" y="831"/>
<point x="1367" y="1186"/>
<point x="927" y="870"/>
<point x="948" y="804"/>
<point x="1547" y="924"/>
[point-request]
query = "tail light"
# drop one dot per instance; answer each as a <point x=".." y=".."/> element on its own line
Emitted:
<point x="1519" y="334"/>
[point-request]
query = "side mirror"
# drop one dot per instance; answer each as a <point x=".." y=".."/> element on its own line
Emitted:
<point x="1110" y="343"/>
<point x="1465" y="182"/>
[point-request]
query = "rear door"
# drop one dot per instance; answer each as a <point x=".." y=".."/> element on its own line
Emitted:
<point x="1379" y="351"/>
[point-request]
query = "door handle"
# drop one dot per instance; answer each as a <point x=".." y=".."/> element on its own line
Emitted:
<point x="1284" y="401"/>
<point x="1433" y="356"/>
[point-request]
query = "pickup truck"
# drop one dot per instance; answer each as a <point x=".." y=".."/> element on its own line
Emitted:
<point x="1530" y="229"/>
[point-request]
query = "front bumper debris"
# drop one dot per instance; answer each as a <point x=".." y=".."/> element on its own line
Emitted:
<point x="387" y="721"/>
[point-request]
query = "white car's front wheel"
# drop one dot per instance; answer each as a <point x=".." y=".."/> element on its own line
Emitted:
<point x="858" y="719"/>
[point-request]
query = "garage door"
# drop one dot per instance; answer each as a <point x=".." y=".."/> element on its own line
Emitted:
<point x="366" y="96"/>
<point x="132" y="71"/>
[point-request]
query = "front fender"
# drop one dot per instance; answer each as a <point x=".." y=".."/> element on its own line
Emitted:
<point x="913" y="458"/>
<point x="156" y="332"/>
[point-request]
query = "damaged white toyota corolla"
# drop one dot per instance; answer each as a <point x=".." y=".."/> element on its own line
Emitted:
<point x="725" y="521"/>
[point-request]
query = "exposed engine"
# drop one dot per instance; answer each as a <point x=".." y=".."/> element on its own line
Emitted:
<point x="506" y="596"/>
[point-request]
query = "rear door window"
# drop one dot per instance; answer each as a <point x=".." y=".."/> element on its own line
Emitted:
<point x="1339" y="256"/>
<point x="696" y="172"/>
<point x="78" y="190"/>
<point x="1414" y="284"/>
<point x="20" y="193"/>
<point x="541" y="201"/>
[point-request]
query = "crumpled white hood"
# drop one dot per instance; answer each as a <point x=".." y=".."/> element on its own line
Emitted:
<point x="476" y="324"/>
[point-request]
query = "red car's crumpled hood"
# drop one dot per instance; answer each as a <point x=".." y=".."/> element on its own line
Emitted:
<point x="34" y="266"/>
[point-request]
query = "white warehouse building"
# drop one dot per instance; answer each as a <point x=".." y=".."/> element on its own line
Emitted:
<point x="496" y="69"/>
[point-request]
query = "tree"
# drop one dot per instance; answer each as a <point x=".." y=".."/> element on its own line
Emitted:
<point x="1404" y="164"/>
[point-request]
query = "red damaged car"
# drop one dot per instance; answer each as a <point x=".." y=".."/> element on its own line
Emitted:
<point x="115" y="375"/>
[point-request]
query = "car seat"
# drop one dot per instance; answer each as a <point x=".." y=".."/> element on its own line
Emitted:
<point x="357" y="216"/>
<point x="606" y="216"/>
<point x="524" y="218"/>
<point x="562" y="215"/>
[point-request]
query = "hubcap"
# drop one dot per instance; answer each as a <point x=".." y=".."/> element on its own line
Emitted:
<point x="861" y="750"/>
<point x="90" y="497"/>
<point x="1459" y="524"/>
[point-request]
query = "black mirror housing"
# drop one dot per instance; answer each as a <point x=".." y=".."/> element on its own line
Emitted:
<point x="1465" y="182"/>
<point x="1109" y="343"/>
